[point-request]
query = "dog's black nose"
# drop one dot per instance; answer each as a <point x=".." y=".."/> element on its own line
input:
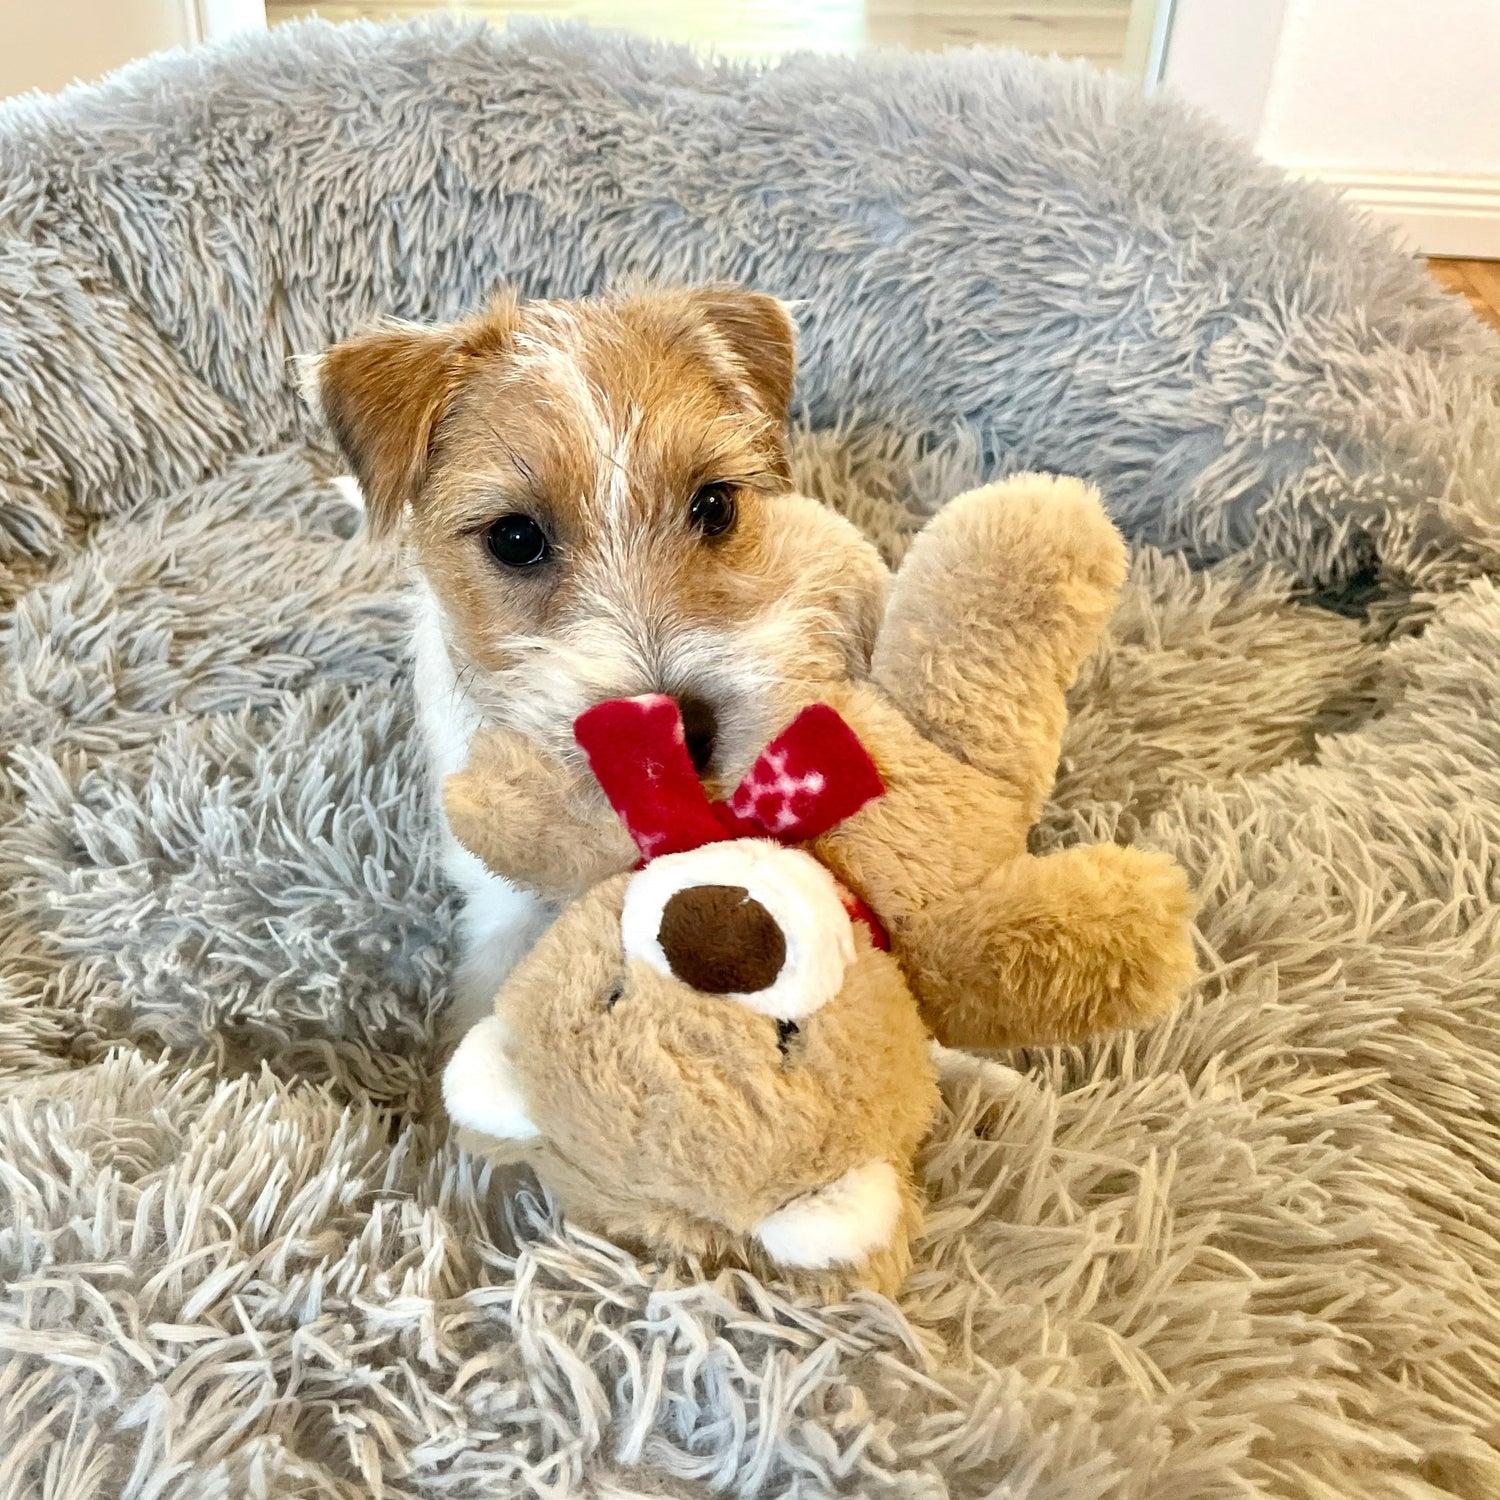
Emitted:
<point x="700" y="724"/>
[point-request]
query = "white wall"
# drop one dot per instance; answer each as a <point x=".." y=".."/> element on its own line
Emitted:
<point x="1396" y="101"/>
<point x="47" y="44"/>
<point x="1221" y="56"/>
<point x="1388" y="85"/>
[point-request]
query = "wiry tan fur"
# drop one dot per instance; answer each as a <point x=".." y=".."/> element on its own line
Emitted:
<point x="600" y="420"/>
<point x="994" y="610"/>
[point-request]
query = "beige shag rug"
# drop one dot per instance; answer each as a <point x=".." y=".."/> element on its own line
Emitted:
<point x="1252" y="1253"/>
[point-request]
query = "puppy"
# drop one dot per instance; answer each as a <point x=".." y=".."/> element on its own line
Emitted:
<point x="596" y="501"/>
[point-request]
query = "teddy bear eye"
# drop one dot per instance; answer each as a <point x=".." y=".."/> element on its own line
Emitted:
<point x="616" y="994"/>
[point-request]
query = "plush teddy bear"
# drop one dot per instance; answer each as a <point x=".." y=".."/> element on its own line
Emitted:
<point x="713" y="1057"/>
<point x="715" y="1054"/>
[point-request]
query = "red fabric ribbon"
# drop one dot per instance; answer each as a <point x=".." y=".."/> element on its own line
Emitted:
<point x="812" y="776"/>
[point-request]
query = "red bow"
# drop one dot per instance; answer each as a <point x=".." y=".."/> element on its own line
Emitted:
<point x="813" y="775"/>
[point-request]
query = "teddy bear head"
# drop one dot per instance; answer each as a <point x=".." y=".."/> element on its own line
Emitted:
<point x="714" y="1054"/>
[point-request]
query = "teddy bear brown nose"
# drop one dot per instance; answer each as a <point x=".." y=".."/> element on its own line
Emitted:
<point x="721" y="940"/>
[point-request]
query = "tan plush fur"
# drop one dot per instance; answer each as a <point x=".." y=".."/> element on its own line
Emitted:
<point x="670" y="1119"/>
<point x="997" y="605"/>
<point x="1000" y="600"/>
<point x="679" y="1120"/>
<point x="536" y="818"/>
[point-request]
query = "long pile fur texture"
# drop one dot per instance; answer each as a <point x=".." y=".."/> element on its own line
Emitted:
<point x="1254" y="1252"/>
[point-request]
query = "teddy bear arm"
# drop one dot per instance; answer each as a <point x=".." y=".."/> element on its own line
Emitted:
<point x="939" y="827"/>
<point x="1003" y="596"/>
<point x="534" y="820"/>
<point x="1055" y="949"/>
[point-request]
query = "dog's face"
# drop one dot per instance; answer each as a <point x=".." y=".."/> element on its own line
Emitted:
<point x="598" y="496"/>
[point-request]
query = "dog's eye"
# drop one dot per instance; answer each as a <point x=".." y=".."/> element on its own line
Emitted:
<point x="517" y="541"/>
<point x="712" y="510"/>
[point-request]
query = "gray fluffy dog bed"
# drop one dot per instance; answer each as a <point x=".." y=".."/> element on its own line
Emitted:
<point x="1255" y="1252"/>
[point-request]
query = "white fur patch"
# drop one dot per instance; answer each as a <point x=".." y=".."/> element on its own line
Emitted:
<point x="349" y="491"/>
<point x="800" y="895"/>
<point x="480" y="1088"/>
<point x="448" y="718"/>
<point x="554" y="362"/>
<point x="499" y="922"/>
<point x="841" y="1224"/>
<point x="309" y="374"/>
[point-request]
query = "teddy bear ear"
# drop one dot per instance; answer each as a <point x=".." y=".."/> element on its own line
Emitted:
<point x="480" y="1088"/>
<point x="841" y="1224"/>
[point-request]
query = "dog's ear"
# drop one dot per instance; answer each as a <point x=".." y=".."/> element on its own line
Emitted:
<point x="762" y="337"/>
<point x="383" y="393"/>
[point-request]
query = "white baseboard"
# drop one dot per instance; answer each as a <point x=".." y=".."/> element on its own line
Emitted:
<point x="1435" y="213"/>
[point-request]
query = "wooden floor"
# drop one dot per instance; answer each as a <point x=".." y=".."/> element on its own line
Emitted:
<point x="1478" y="280"/>
<point x="1094" y="29"/>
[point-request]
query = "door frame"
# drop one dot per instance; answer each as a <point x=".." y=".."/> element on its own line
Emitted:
<point x="1146" y="41"/>
<point x="211" y="19"/>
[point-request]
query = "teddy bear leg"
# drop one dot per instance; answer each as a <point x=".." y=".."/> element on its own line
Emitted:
<point x="533" y="819"/>
<point x="1055" y="949"/>
<point x="1003" y="596"/>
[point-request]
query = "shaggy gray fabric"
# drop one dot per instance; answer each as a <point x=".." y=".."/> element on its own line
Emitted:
<point x="1255" y="1252"/>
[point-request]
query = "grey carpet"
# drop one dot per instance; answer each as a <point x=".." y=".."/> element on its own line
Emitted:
<point x="1253" y="1253"/>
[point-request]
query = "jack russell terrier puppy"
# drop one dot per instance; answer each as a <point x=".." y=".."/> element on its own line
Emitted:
<point x="596" y="501"/>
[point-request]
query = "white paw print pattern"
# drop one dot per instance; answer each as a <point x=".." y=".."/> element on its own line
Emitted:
<point x="777" y="797"/>
<point x="649" y="842"/>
